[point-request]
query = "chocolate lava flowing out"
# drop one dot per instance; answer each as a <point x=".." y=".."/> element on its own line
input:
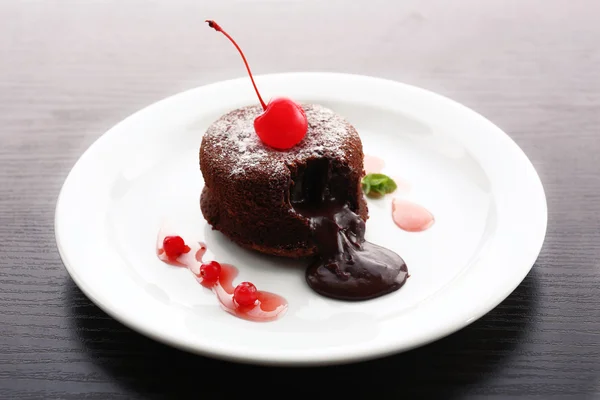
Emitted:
<point x="347" y="266"/>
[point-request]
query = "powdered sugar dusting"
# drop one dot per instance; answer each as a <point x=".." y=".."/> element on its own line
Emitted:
<point x="237" y="146"/>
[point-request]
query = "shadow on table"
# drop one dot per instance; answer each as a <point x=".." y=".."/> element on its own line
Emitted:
<point x="449" y="367"/>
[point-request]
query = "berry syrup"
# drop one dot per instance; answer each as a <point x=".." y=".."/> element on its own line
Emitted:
<point x="411" y="217"/>
<point x="373" y="165"/>
<point x="268" y="306"/>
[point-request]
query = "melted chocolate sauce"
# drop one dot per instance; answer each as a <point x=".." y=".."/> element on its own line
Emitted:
<point x="347" y="266"/>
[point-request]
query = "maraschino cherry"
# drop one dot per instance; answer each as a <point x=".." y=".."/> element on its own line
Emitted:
<point x="283" y="123"/>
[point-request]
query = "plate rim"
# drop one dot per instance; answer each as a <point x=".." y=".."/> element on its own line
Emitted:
<point x="297" y="359"/>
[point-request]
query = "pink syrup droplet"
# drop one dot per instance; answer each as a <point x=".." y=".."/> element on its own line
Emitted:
<point x="411" y="217"/>
<point x="373" y="165"/>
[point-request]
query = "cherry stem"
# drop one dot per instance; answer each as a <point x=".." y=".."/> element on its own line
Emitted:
<point x="218" y="28"/>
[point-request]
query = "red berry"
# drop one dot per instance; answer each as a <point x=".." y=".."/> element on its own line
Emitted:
<point x="174" y="246"/>
<point x="245" y="294"/>
<point x="283" y="123"/>
<point x="211" y="271"/>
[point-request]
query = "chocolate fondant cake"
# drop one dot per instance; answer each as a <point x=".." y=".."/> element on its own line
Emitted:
<point x="252" y="190"/>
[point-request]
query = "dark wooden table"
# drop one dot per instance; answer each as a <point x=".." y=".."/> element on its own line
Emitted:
<point x="69" y="70"/>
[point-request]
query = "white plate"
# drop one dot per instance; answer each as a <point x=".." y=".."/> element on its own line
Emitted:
<point x="487" y="199"/>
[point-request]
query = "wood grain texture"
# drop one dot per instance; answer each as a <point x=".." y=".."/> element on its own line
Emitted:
<point x="69" y="70"/>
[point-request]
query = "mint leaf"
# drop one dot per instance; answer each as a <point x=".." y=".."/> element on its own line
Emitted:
<point x="366" y="186"/>
<point x="378" y="185"/>
<point x="389" y="185"/>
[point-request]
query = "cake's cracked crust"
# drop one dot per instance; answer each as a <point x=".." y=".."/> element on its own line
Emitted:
<point x="247" y="184"/>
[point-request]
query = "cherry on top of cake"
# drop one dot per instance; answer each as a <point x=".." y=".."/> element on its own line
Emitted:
<point x="283" y="123"/>
<point x="233" y="143"/>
